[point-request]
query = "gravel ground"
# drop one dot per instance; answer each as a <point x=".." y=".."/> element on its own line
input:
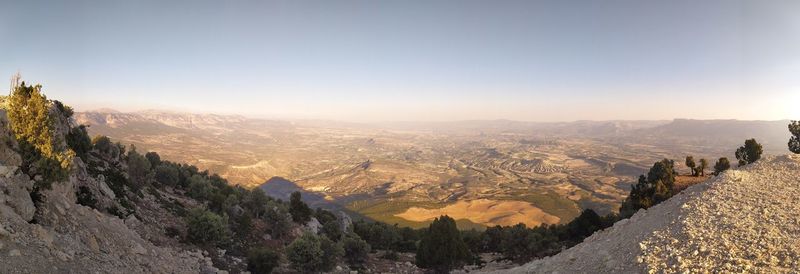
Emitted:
<point x="743" y="221"/>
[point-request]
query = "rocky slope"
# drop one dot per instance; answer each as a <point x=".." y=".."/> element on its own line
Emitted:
<point x="57" y="235"/>
<point x="744" y="220"/>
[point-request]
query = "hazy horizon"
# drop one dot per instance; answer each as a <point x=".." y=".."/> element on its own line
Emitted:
<point x="364" y="61"/>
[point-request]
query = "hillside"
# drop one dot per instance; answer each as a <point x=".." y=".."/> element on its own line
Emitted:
<point x="744" y="220"/>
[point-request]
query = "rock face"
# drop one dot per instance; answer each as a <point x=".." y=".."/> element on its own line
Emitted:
<point x="743" y="221"/>
<point x="56" y="235"/>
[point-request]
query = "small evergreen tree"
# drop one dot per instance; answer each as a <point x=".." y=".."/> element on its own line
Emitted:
<point x="794" y="141"/>
<point x="749" y="153"/>
<point x="300" y="211"/>
<point x="691" y="164"/>
<point x="138" y="170"/>
<point x="305" y="253"/>
<point x="262" y="261"/>
<point x="332" y="252"/>
<point x="701" y="169"/>
<point x="442" y="248"/>
<point x="722" y="165"/>
<point x="356" y="250"/>
<point x="206" y="228"/>
<point x="153" y="158"/>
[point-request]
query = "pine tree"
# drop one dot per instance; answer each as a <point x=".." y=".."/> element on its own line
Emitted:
<point x="749" y="153"/>
<point x="442" y="248"/>
<point x="794" y="141"/>
<point x="722" y="165"/>
<point x="691" y="164"/>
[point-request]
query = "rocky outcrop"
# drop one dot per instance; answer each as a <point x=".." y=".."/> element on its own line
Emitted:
<point x="57" y="235"/>
<point x="743" y="221"/>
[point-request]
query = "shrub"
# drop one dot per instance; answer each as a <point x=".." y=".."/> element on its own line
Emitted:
<point x="332" y="252"/>
<point x="300" y="211"/>
<point x="701" y="169"/>
<point x="167" y="175"/>
<point x="153" y="158"/>
<point x="31" y="122"/>
<point x="78" y="140"/>
<point x="749" y="153"/>
<point x="794" y="141"/>
<point x="691" y="164"/>
<point x="356" y="250"/>
<point x="651" y="189"/>
<point x="206" y="228"/>
<point x="442" y="248"/>
<point x="138" y="170"/>
<point x="262" y="260"/>
<point x="305" y="253"/>
<point x="199" y="188"/>
<point x="722" y="165"/>
<point x="85" y="197"/>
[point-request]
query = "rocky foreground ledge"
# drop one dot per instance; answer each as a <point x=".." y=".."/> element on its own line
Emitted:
<point x="745" y="220"/>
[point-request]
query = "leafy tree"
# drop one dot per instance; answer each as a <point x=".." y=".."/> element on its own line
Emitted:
<point x="255" y="201"/>
<point x="442" y="248"/>
<point x="794" y="141"/>
<point x="199" y="188"/>
<point x="651" y="189"/>
<point x="356" y="250"/>
<point x="749" y="153"/>
<point x="701" y="169"/>
<point x="33" y="126"/>
<point x="279" y="218"/>
<point x="722" y="165"/>
<point x="206" y="228"/>
<point x="300" y="211"/>
<point x="167" y="174"/>
<point x="153" y="158"/>
<point x="262" y="260"/>
<point x="332" y="252"/>
<point x="138" y="170"/>
<point x="691" y="164"/>
<point x="305" y="253"/>
<point x="78" y="140"/>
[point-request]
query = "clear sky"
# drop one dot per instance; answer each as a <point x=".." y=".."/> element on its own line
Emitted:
<point x="414" y="60"/>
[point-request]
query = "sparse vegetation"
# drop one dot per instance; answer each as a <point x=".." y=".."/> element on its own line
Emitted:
<point x="262" y="261"/>
<point x="722" y="165"/>
<point x="749" y="152"/>
<point x="794" y="141"/>
<point x="301" y="213"/>
<point x="441" y="247"/>
<point x="651" y="189"/>
<point x="206" y="228"/>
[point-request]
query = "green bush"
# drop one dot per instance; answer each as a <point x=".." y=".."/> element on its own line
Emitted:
<point x="332" y="252"/>
<point x="442" y="248"/>
<point x="85" y="197"/>
<point x="31" y="122"/>
<point x="262" y="260"/>
<point x="650" y="190"/>
<point x="138" y="170"/>
<point x="167" y="175"/>
<point x="722" y="165"/>
<point x="749" y="152"/>
<point x="300" y="211"/>
<point x="356" y="250"/>
<point x="794" y="141"/>
<point x="206" y="228"/>
<point x="78" y="140"/>
<point x="305" y="253"/>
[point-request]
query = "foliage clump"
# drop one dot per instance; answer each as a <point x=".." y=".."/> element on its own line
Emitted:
<point x="652" y="189"/>
<point x="33" y="124"/>
<point x="262" y="260"/>
<point x="722" y="165"/>
<point x="749" y="152"/>
<point x="794" y="141"/>
<point x="442" y="248"/>
<point x="206" y="228"/>
<point x="312" y="253"/>
<point x="300" y="211"/>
